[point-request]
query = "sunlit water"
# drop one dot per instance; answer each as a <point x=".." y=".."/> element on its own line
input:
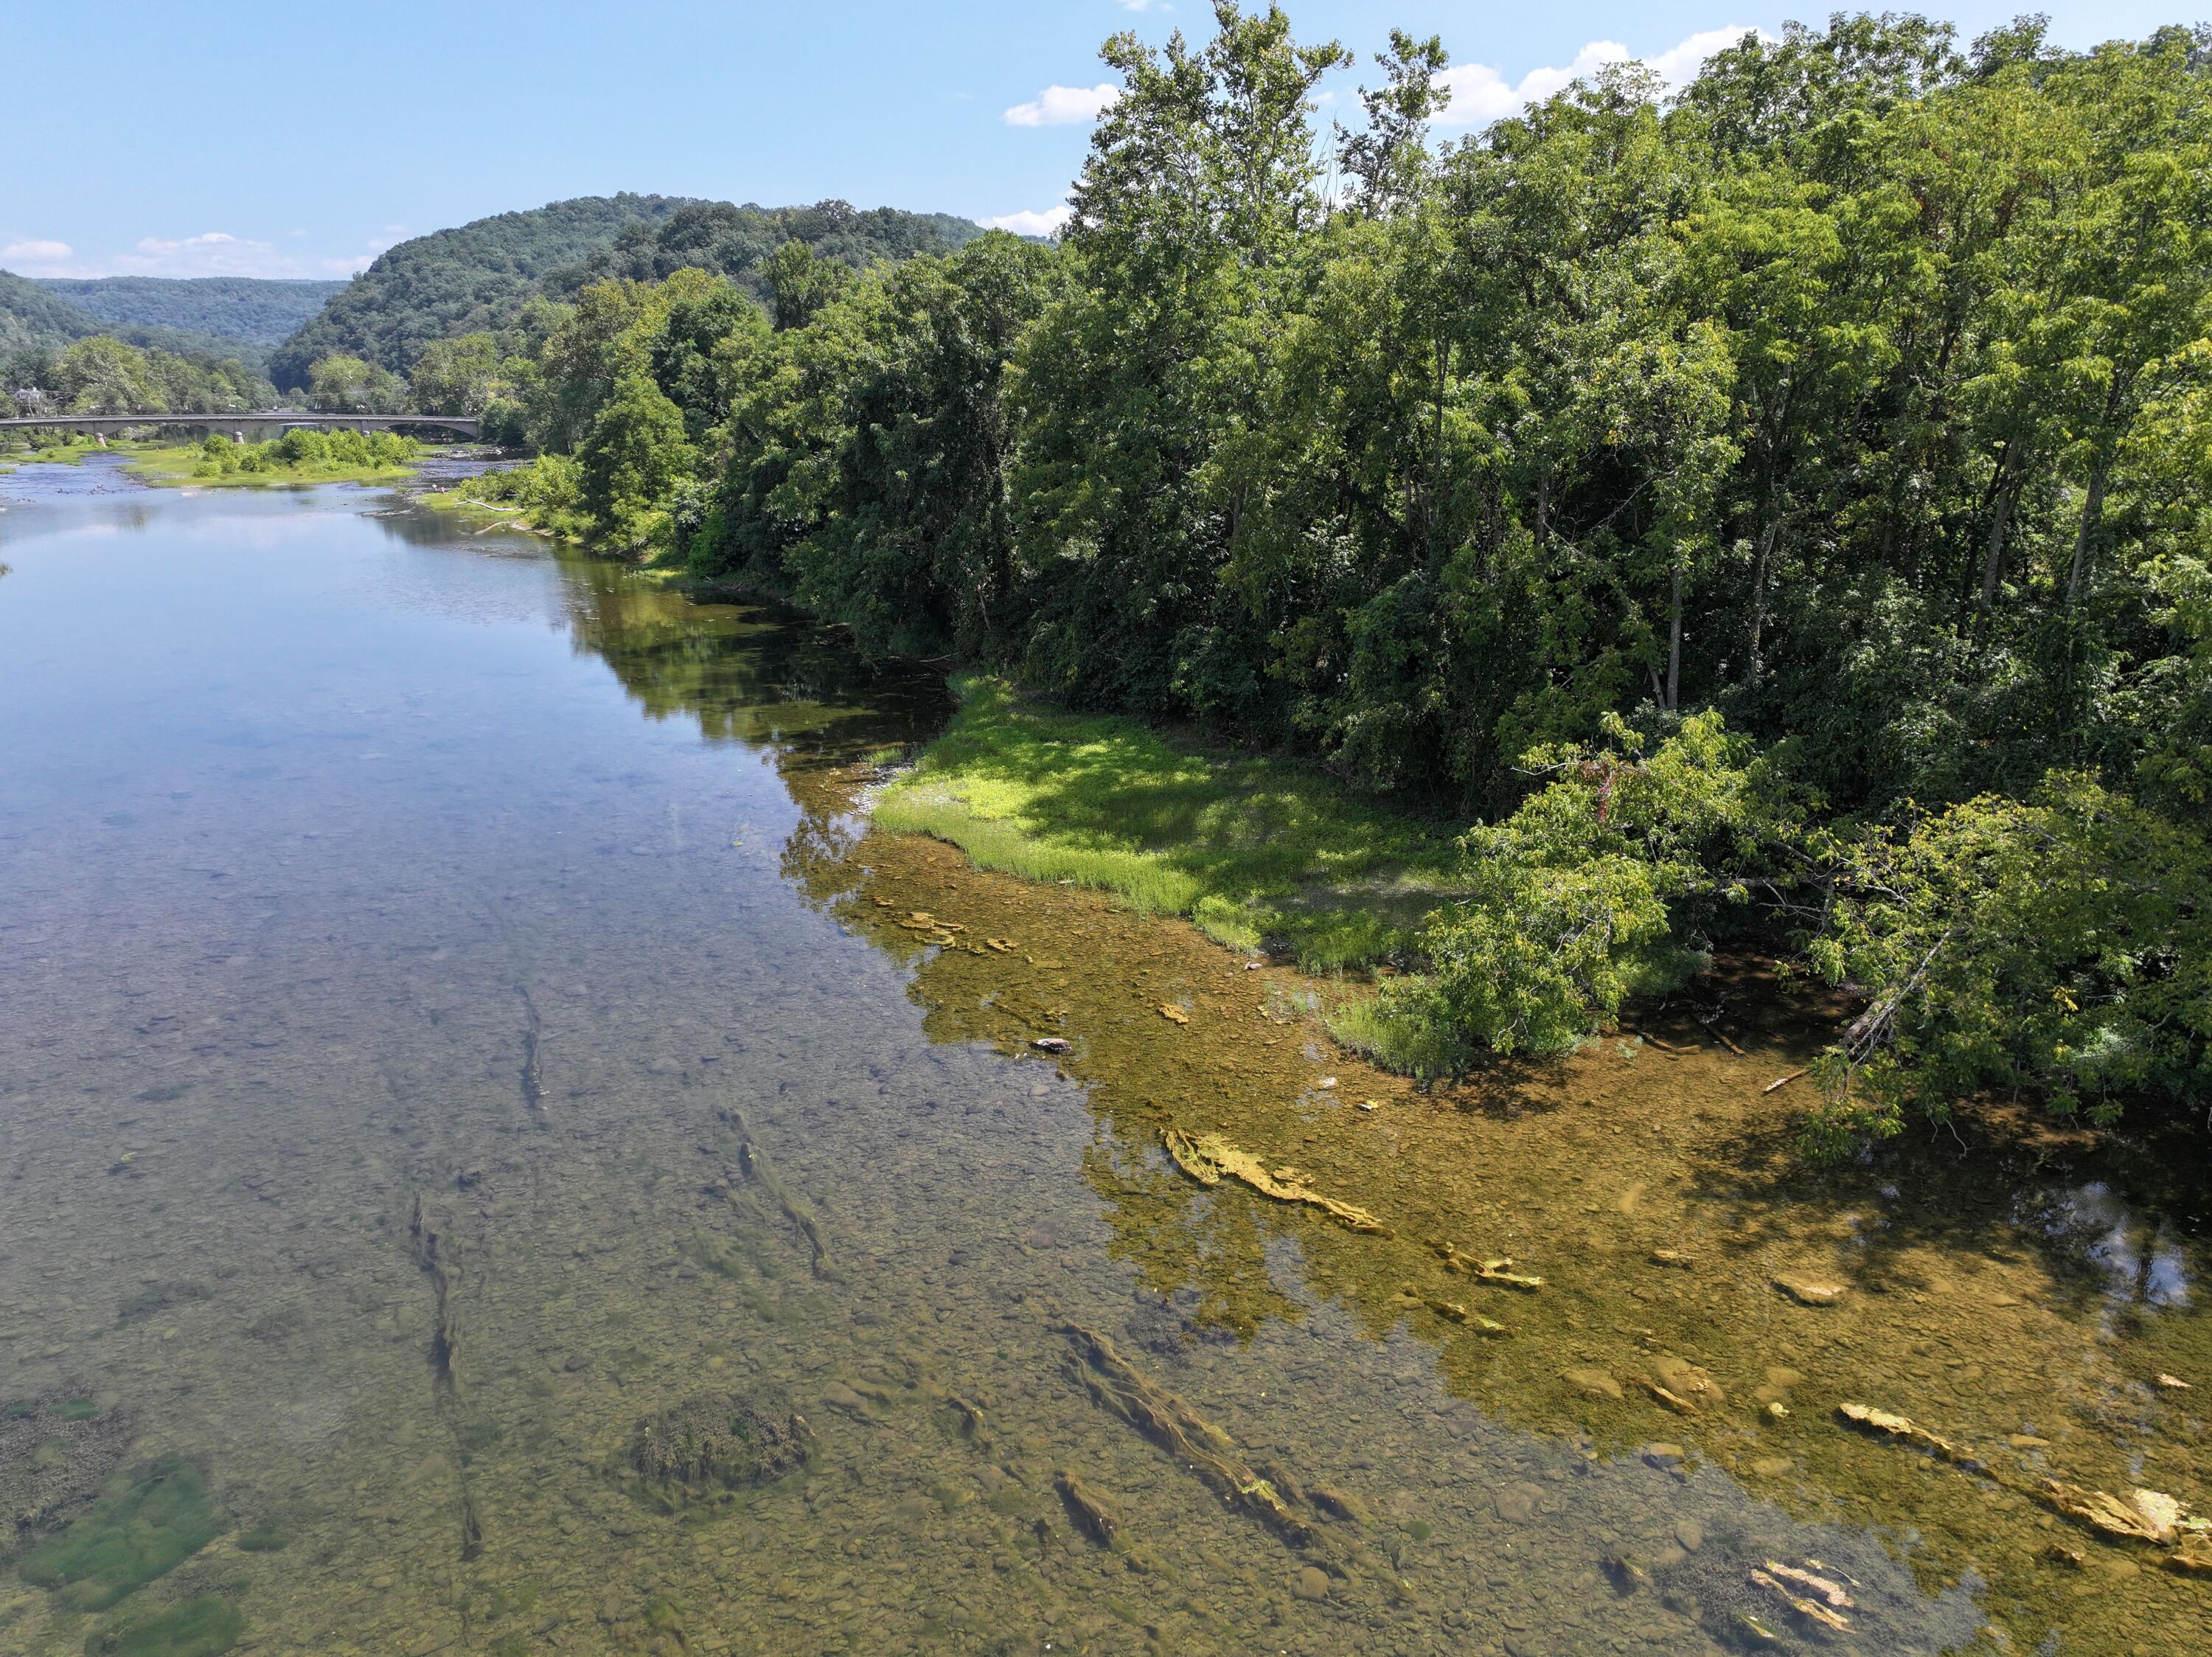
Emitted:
<point x="451" y="1018"/>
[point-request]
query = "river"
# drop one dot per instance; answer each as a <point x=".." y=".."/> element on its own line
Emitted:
<point x="496" y="1157"/>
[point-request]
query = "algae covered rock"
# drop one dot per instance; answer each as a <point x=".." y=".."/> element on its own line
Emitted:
<point x="204" y="1625"/>
<point x="144" y="1524"/>
<point x="55" y="1452"/>
<point x="708" y="1448"/>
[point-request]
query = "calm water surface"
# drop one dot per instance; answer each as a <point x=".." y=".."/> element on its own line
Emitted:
<point x="456" y="1041"/>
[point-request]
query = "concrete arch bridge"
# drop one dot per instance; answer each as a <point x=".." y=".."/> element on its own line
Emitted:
<point x="237" y="425"/>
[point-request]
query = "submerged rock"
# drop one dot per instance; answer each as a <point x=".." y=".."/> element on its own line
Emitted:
<point x="1807" y="1291"/>
<point x="1210" y="1159"/>
<point x="708" y="1446"/>
<point x="1087" y="1506"/>
<point x="1592" y="1381"/>
<point x="55" y="1450"/>
<point x="1906" y="1430"/>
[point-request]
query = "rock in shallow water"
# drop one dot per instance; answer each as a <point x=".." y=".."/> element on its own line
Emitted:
<point x="713" y="1444"/>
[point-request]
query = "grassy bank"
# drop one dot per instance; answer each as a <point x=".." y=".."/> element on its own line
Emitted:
<point x="298" y="457"/>
<point x="1262" y="854"/>
<point x="541" y="496"/>
<point x="66" y="453"/>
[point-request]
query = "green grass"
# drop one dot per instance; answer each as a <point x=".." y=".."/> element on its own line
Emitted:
<point x="186" y="465"/>
<point x="1262" y="854"/>
<point x="67" y="452"/>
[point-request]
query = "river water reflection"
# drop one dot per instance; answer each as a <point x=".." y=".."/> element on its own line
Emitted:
<point x="458" y="1042"/>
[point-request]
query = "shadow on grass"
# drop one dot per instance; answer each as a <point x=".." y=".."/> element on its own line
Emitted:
<point x="1260" y="853"/>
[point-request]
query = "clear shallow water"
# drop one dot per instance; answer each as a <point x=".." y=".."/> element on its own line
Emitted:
<point x="451" y="1017"/>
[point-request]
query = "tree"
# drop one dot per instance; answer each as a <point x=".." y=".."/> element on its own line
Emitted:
<point x="462" y="376"/>
<point x="349" y="385"/>
<point x="633" y="464"/>
<point x="102" y="376"/>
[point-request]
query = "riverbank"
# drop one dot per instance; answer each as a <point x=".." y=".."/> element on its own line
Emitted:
<point x="1264" y="856"/>
<point x="66" y="453"/>
<point x="1621" y="1250"/>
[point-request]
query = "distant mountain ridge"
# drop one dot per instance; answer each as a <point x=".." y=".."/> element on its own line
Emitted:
<point x="253" y="310"/>
<point x="478" y="277"/>
<point x="33" y="318"/>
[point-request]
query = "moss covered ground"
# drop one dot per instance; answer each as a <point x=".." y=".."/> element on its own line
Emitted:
<point x="1263" y="854"/>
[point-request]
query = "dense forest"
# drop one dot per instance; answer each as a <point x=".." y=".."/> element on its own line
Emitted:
<point x="74" y="365"/>
<point x="737" y="241"/>
<point x="1777" y="510"/>
<point x="31" y="318"/>
<point x="102" y="375"/>
<point x="249" y="310"/>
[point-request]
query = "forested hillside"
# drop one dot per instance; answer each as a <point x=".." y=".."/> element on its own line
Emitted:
<point x="736" y="242"/>
<point x="474" y="278"/>
<point x="1779" y="509"/>
<point x="247" y="309"/>
<point x="37" y="324"/>
<point x="478" y="280"/>
<point x="31" y="318"/>
<point x="100" y="374"/>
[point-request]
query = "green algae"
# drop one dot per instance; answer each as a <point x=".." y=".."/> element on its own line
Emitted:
<point x="146" y="1525"/>
<point x="203" y="1626"/>
<point x="270" y="1536"/>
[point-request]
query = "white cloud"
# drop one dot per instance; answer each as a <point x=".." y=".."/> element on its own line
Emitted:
<point x="1479" y="94"/>
<point x="217" y="252"/>
<point x="211" y="252"/>
<point x="1028" y="222"/>
<point x="1065" y="105"/>
<point x="32" y="257"/>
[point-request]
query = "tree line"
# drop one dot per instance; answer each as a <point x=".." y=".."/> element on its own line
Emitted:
<point x="1777" y="509"/>
<point x="102" y="375"/>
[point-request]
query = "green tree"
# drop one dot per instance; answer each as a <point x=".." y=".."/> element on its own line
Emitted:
<point x="633" y="466"/>
<point x="462" y="376"/>
<point x="349" y="385"/>
<point x="103" y="375"/>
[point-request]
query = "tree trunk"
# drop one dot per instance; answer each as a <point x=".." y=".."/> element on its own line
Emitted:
<point x="1675" y="646"/>
<point x="1543" y="506"/>
<point x="2000" y="521"/>
<point x="1759" y="593"/>
<point x="2093" y="512"/>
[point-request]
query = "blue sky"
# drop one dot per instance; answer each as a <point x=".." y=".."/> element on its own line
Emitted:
<point x="174" y="140"/>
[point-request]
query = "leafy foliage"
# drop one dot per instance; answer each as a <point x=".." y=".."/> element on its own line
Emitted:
<point x="1859" y="397"/>
<point x="346" y="385"/>
<point x="2061" y="943"/>
<point x="303" y="450"/>
<point x="101" y="374"/>
<point x="1595" y="890"/>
